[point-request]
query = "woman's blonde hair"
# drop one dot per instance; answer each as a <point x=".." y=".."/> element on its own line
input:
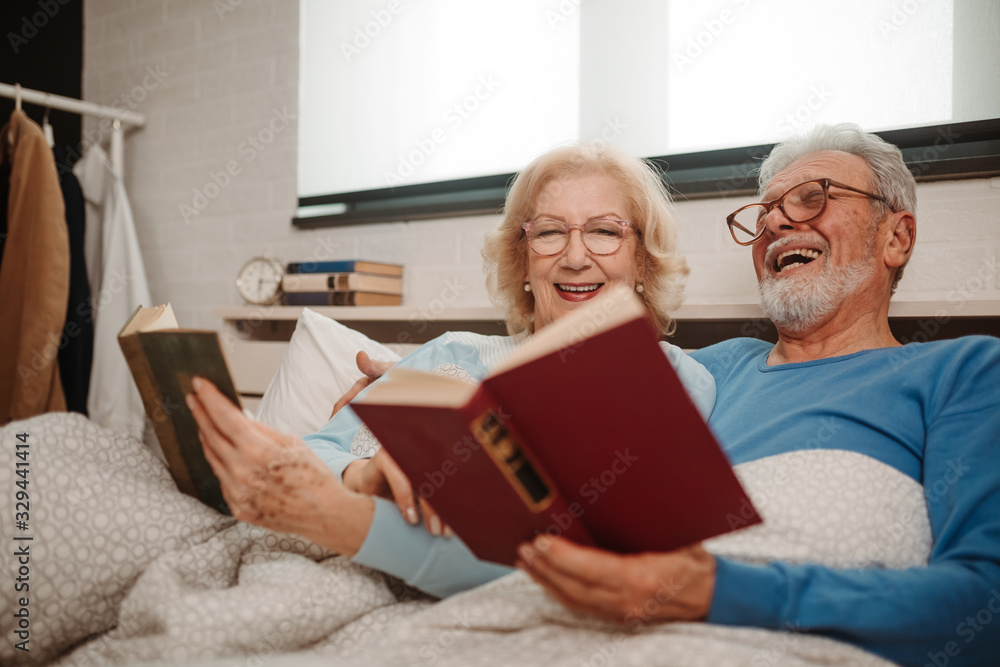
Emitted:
<point x="505" y="255"/>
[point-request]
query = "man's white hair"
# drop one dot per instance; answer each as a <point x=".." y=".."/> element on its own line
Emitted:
<point x="890" y="177"/>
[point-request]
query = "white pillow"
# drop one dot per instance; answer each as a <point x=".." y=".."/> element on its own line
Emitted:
<point x="319" y="367"/>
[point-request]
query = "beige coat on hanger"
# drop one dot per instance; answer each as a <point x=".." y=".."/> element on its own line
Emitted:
<point x="34" y="276"/>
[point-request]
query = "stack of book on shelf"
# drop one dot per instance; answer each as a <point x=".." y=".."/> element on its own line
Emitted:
<point x="342" y="283"/>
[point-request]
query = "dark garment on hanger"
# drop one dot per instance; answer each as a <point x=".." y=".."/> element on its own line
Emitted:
<point x="77" y="353"/>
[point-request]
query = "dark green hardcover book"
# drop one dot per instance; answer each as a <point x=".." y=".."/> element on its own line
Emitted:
<point x="163" y="359"/>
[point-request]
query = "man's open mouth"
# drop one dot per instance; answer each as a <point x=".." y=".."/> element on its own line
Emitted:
<point x="562" y="287"/>
<point x="791" y="259"/>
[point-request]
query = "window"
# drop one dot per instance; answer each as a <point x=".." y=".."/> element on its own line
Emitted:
<point x="425" y="109"/>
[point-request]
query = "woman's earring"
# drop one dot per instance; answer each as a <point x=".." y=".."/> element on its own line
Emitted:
<point x="527" y="287"/>
<point x="639" y="288"/>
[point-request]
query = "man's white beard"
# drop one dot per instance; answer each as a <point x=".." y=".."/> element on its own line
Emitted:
<point x="797" y="303"/>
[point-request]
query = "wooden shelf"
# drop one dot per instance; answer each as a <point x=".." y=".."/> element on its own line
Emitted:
<point x="401" y="325"/>
<point x="263" y="331"/>
<point x="361" y="313"/>
<point x="691" y="311"/>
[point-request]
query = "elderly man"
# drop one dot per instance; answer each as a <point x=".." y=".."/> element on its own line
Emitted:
<point x="874" y="464"/>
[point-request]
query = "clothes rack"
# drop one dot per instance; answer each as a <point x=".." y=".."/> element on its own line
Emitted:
<point x="119" y="116"/>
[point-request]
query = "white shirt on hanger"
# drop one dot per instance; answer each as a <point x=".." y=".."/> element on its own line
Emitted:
<point x="118" y="286"/>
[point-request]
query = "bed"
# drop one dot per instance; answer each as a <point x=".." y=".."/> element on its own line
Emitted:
<point x="112" y="565"/>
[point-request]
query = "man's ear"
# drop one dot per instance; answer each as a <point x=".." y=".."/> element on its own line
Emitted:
<point x="903" y="234"/>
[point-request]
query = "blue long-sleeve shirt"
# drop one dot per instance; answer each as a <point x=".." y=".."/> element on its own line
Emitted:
<point x="446" y="566"/>
<point x="930" y="411"/>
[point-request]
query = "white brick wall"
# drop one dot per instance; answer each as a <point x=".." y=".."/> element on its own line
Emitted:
<point x="224" y="78"/>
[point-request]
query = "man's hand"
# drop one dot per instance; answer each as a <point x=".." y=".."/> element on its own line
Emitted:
<point x="629" y="589"/>
<point x="372" y="370"/>
<point x="274" y="480"/>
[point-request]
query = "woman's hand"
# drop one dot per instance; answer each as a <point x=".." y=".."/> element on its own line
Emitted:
<point x="623" y="588"/>
<point x="381" y="476"/>
<point x="372" y="370"/>
<point x="274" y="480"/>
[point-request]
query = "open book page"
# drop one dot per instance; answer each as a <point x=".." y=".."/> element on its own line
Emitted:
<point x="605" y="312"/>
<point x="154" y="318"/>
<point x="406" y="386"/>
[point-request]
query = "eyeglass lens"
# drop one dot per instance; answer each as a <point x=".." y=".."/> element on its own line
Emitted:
<point x="601" y="237"/>
<point x="800" y="204"/>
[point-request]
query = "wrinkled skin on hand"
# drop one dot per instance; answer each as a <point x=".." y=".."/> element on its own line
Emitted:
<point x="623" y="588"/>
<point x="274" y="480"/>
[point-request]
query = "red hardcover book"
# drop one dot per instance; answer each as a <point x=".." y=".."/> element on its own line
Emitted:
<point x="585" y="431"/>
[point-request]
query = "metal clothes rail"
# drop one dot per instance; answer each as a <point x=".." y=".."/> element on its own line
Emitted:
<point x="119" y="116"/>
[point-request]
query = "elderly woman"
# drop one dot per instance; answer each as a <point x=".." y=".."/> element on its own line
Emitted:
<point x="577" y="221"/>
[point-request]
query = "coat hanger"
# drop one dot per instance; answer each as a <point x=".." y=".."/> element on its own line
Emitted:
<point x="50" y="136"/>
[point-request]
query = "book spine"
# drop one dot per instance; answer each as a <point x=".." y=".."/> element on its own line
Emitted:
<point x="304" y="282"/>
<point x="359" y="282"/>
<point x="156" y="412"/>
<point x="308" y="299"/>
<point x="497" y="433"/>
<point x="379" y="267"/>
<point x="345" y="266"/>
<point x="328" y="298"/>
<point x="366" y="299"/>
<point x="341" y="282"/>
<point x="175" y="357"/>
<point x="507" y="452"/>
